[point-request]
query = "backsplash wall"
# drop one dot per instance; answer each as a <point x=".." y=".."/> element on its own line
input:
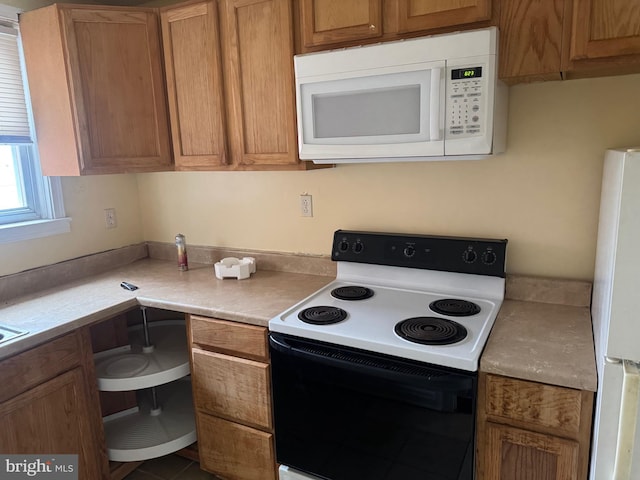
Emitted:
<point x="542" y="194"/>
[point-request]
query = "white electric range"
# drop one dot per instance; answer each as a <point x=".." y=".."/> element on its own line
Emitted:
<point x="402" y="308"/>
<point x="375" y="375"/>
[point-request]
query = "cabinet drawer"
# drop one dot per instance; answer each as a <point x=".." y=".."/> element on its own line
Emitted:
<point x="32" y="367"/>
<point x="230" y="337"/>
<point x="534" y="403"/>
<point x="235" y="452"/>
<point x="232" y="387"/>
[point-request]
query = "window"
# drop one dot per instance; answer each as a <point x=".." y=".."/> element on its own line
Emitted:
<point x="30" y="204"/>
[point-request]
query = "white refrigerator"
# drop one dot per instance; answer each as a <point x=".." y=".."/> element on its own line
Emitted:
<point x="615" y="453"/>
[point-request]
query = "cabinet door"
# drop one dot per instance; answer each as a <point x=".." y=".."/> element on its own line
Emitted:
<point x="118" y="89"/>
<point x="194" y="85"/>
<point x="232" y="387"/>
<point x="324" y="22"/>
<point x="531" y="40"/>
<point x="511" y="453"/>
<point x="604" y="28"/>
<point x="233" y="451"/>
<point x="257" y="44"/>
<point x="417" y="15"/>
<point x="53" y="418"/>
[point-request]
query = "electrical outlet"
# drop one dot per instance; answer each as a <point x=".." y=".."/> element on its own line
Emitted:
<point x="306" y="206"/>
<point x="110" y="218"/>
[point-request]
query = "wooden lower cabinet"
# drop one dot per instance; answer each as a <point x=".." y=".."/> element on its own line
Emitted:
<point x="532" y="431"/>
<point x="232" y="387"/>
<point x="231" y="380"/>
<point x="513" y="453"/>
<point x="50" y="404"/>
<point x="235" y="451"/>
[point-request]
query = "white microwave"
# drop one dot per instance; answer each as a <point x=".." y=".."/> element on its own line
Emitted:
<point x="431" y="98"/>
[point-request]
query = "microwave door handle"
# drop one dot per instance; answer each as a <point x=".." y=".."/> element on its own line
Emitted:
<point x="434" y="105"/>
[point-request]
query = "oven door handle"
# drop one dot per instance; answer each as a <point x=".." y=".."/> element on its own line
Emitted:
<point x="381" y="367"/>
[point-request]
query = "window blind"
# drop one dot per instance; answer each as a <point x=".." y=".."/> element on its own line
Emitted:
<point x="14" y="119"/>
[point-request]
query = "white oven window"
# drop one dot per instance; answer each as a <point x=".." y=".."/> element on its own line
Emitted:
<point x="378" y="109"/>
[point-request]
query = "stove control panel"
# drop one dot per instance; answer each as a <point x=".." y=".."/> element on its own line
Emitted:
<point x="478" y="256"/>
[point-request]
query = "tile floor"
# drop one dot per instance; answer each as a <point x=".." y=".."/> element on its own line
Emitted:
<point x="171" y="467"/>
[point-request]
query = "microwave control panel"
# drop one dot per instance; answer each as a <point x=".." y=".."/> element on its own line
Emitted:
<point x="465" y="102"/>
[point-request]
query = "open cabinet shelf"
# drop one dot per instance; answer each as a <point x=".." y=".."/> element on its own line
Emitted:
<point x="152" y="368"/>
<point x="133" y="366"/>
<point x="142" y="433"/>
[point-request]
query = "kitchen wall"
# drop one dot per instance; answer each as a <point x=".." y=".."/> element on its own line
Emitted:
<point x="85" y="199"/>
<point x="542" y="194"/>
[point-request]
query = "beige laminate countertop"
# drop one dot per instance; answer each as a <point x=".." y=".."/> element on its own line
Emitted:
<point x="56" y="311"/>
<point x="542" y="342"/>
<point x="531" y="340"/>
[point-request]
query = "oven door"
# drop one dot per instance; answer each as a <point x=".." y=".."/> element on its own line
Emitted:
<point x="346" y="414"/>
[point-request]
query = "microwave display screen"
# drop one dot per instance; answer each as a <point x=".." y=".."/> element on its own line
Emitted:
<point x="461" y="73"/>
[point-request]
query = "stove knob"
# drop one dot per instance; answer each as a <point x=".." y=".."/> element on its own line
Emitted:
<point x="469" y="256"/>
<point x="343" y="246"/>
<point x="409" y="251"/>
<point x="358" y="247"/>
<point x="489" y="257"/>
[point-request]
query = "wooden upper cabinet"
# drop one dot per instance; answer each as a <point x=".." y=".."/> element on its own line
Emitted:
<point x="257" y="46"/>
<point x="530" y="40"/>
<point x="97" y="89"/>
<point x="418" y="15"/>
<point x="326" y="22"/>
<point x="604" y="28"/>
<point x="194" y="85"/>
<point x="602" y="37"/>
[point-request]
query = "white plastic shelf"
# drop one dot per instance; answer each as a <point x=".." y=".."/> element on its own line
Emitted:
<point x="132" y="368"/>
<point x="138" y="434"/>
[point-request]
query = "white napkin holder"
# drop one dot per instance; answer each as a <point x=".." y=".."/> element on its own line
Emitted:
<point x="232" y="267"/>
